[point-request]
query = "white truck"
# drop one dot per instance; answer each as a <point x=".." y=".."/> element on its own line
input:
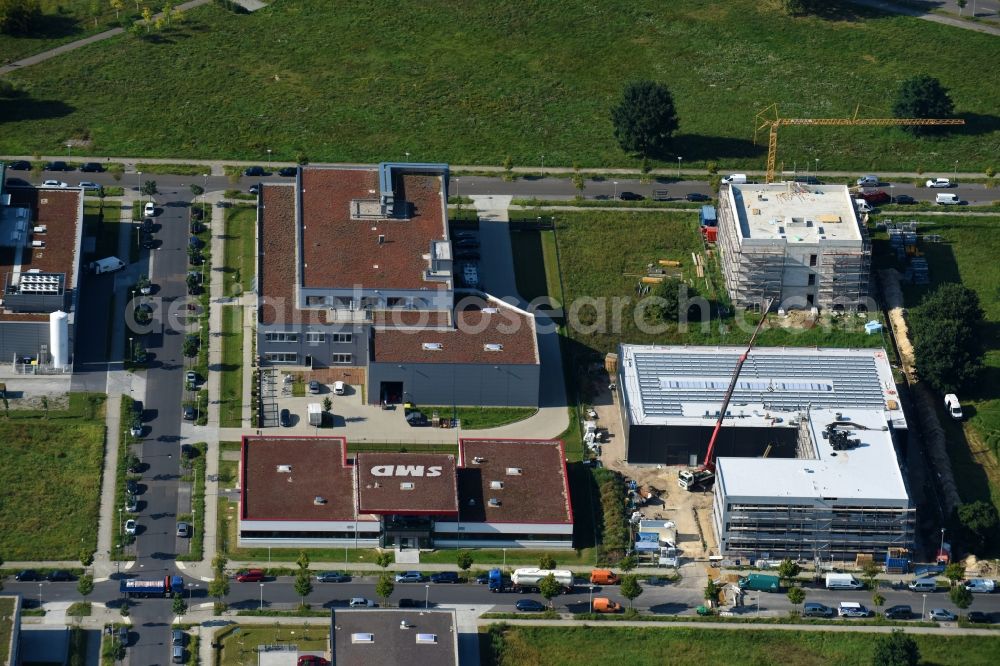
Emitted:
<point x="106" y="265"/>
<point x="526" y="580"/>
<point x="953" y="406"/>
<point x="315" y="414"/>
<point x="841" y="581"/>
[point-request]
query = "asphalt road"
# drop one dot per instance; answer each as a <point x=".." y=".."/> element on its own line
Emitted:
<point x="524" y="186"/>
<point x="280" y="594"/>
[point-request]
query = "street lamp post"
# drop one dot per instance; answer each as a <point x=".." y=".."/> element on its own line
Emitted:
<point x="543" y="162"/>
<point x="131" y="350"/>
<point x="262" y="596"/>
<point x="817" y="167"/>
<point x="891" y="196"/>
<point x="923" y="607"/>
<point x="616" y="190"/>
<point x="204" y="194"/>
<point x="955" y="177"/>
<point x="138" y="181"/>
<point x="69" y="149"/>
<point x="407" y="156"/>
<point x="39" y="595"/>
<point x="427" y="596"/>
<point x="679" y="158"/>
<point x="504" y="559"/>
<point x="591" y="597"/>
<point x="268" y="159"/>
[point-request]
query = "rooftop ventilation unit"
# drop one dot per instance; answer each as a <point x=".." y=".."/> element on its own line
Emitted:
<point x="427" y="639"/>
<point x="478" y="460"/>
<point x="432" y="346"/>
<point x="319" y="501"/>
<point x="406" y="485"/>
<point x="403" y="624"/>
<point x="496" y="485"/>
<point x="494" y="502"/>
<point x="381" y="239"/>
<point x="284" y="469"/>
<point x="40" y="229"/>
<point x="492" y="347"/>
<point x="513" y="471"/>
<point x="361" y="637"/>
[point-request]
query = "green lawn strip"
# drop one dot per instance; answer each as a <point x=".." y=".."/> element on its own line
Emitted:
<point x="199" y="400"/>
<point x="612" y="203"/>
<point x="240" y="194"/>
<point x="479" y="418"/>
<point x="6" y="626"/>
<point x="173" y="169"/>
<point x="239" y="641"/>
<point x="355" y="447"/>
<point x="80" y="609"/>
<point x="63" y="21"/>
<point x="197" y="520"/>
<point x="563" y="64"/>
<point x="230" y="446"/>
<point x="967" y="254"/>
<point x="125" y="442"/>
<point x="637" y="646"/>
<point x="50" y="485"/>
<point x="231" y="381"/>
<point x="239" y="250"/>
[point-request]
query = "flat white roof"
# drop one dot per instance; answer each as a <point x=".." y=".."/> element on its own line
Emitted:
<point x="869" y="472"/>
<point x="685" y="386"/>
<point x="793" y="212"/>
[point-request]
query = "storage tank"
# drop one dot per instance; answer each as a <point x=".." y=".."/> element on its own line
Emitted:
<point x="59" y="339"/>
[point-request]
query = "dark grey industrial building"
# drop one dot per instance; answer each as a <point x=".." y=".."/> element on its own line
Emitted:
<point x="355" y="283"/>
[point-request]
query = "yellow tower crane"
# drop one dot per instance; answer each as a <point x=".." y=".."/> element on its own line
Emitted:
<point x="764" y="120"/>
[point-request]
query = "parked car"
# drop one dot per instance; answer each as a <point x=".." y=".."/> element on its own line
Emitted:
<point x="146" y="226"/>
<point x="131" y="504"/>
<point x="132" y="487"/>
<point x="189" y="413"/>
<point x="254" y="189"/>
<point x="183" y="530"/>
<point x="947" y="199"/>
<point x="196" y="242"/>
<point x="467" y="244"/>
<point x="900" y="612"/>
<point x="410" y="603"/>
<point x="876" y="197"/>
<point x="255" y="171"/>
<point x="191" y="377"/>
<point x="27" y="575"/>
<point x="482" y="579"/>
<point x="89" y="185"/>
<point x="904" y="199"/>
<point x="697" y="196"/>
<point x="339" y="388"/>
<point x="808" y="180"/>
<point x="854" y="609"/>
<point x="361" y="602"/>
<point x="285" y="418"/>
<point x="60" y="576"/>
<point x="149" y="210"/>
<point x="416" y="419"/>
<point x="869" y="180"/>
<point x="197" y="227"/>
<point x="287" y="172"/>
<point x="314" y="387"/>
<point x="529" y="606"/>
<point x="250" y="576"/>
<point x="630" y="196"/>
<point x="54" y="183"/>
<point x="131" y="526"/>
<point x="92" y="167"/>
<point x="410" y="577"/>
<point x="813" y="609"/>
<point x="19" y="165"/>
<point x="941" y="615"/>
<point x="332" y="577"/>
<point x="979" y="617"/>
<point x="445" y="577"/>
<point x="953" y="406"/>
<point x="312" y="660"/>
<point x="176" y="654"/>
<point x="177" y="637"/>
<point x="938" y="183"/>
<point x="58" y="165"/>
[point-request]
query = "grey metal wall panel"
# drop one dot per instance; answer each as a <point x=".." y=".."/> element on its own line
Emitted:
<point x="25" y="339"/>
<point x="459" y="384"/>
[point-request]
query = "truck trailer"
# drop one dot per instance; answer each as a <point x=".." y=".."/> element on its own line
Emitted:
<point x="315" y="414"/>
<point x="527" y="580"/>
<point x="161" y="587"/>
<point x="760" y="583"/>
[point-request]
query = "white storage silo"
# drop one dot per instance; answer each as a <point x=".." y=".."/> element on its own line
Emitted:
<point x="59" y="339"/>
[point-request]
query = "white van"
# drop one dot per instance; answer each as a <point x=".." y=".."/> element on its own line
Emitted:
<point x="923" y="585"/>
<point x="837" y="581"/>
<point x="338" y="388"/>
<point x="738" y="178"/>
<point x="946" y="199"/>
<point x="863" y="206"/>
<point x="953" y="406"/>
<point x="984" y="585"/>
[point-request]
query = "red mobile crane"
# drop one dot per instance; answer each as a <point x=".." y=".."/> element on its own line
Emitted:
<point x="703" y="476"/>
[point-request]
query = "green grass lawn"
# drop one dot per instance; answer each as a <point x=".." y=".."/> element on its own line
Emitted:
<point x="968" y="255"/>
<point x="640" y="646"/>
<point x="174" y="169"/>
<point x="479" y="418"/>
<point x="104" y="229"/>
<point x="63" y="21"/>
<point x="602" y="257"/>
<point x="476" y="81"/>
<point x="6" y="627"/>
<point x="240" y="249"/>
<point x="50" y="481"/>
<point x="231" y="386"/>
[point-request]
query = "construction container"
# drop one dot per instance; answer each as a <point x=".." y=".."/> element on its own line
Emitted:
<point x="708" y="217"/>
<point x="672" y="263"/>
<point x="653" y="279"/>
<point x="710" y="233"/>
<point x="611" y="364"/>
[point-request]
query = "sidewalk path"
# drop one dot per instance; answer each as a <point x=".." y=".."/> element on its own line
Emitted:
<point x="954" y="22"/>
<point x="72" y="46"/>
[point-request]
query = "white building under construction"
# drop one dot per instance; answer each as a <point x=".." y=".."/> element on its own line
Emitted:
<point x="803" y="245"/>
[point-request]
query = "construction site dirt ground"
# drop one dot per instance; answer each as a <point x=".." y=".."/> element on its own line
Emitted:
<point x="691" y="512"/>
